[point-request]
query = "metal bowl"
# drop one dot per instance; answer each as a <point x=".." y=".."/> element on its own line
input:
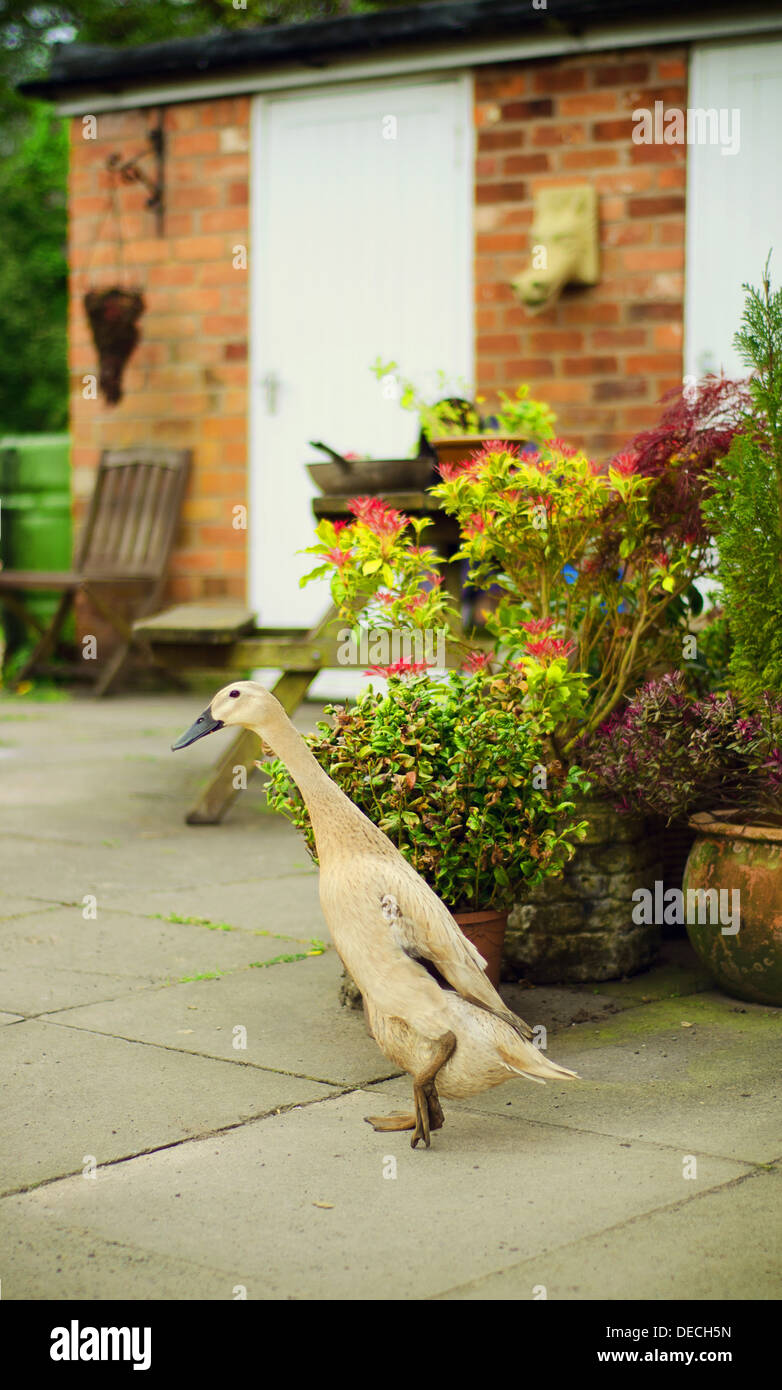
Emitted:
<point x="371" y="476"/>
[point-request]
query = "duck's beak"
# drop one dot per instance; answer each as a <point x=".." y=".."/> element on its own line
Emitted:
<point x="204" y="724"/>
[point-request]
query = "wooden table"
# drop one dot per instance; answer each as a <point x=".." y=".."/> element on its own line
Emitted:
<point x="221" y="635"/>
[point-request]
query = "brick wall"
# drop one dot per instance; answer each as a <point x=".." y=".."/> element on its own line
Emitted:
<point x="603" y="355"/>
<point x="186" y="384"/>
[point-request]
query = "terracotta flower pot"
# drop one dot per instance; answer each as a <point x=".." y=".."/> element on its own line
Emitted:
<point x="486" y="931"/>
<point x="459" y="447"/>
<point x="746" y="963"/>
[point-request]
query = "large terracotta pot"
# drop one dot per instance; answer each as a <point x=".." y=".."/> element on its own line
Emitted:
<point x="486" y="931"/>
<point x="746" y="963"/>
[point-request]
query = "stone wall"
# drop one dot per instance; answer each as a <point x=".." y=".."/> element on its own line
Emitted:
<point x="579" y="927"/>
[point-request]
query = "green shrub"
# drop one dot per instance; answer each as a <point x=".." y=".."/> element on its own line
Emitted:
<point x="745" y="508"/>
<point x="455" y="774"/>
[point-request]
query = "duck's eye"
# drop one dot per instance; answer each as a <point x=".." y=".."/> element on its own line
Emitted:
<point x="234" y="694"/>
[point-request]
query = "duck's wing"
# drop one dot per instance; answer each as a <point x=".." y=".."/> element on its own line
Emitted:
<point x="425" y="930"/>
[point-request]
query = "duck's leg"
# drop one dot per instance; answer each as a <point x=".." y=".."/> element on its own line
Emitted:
<point x="400" y="1119"/>
<point x="429" y="1054"/>
<point x="428" y="1111"/>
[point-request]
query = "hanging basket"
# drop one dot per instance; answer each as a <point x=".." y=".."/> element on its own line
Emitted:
<point x="113" y="315"/>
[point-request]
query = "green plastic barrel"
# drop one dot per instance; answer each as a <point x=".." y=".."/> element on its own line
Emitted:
<point x="35" y="518"/>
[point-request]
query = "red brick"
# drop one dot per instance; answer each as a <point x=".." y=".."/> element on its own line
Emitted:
<point x="493" y="344"/>
<point x="657" y="154"/>
<point x="565" y="79"/>
<point x="613" y="130"/>
<point x="673" y="177"/>
<point x="197" y="142"/>
<point x="588" y="104"/>
<point x="619" y="337"/>
<point x="561" y="133"/>
<point x="525" y="164"/>
<point x="648" y="259"/>
<point x="556" y="340"/>
<point x="628" y="234"/>
<point x="522" y="367"/>
<point x="224" y="220"/>
<point x="671" y="70"/>
<point x="617" y="74"/>
<point x="672" y="232"/>
<point x="576" y="392"/>
<point x="500" y="192"/>
<point x="498" y="241"/>
<point x="650" y="362"/>
<point x="202" y="248"/>
<point x="669" y="336"/>
<point x="590" y="366"/>
<point x="526" y="110"/>
<point x="588" y="311"/>
<point x="618" y="390"/>
<point x="187" y="117"/>
<point x="656" y="207"/>
<point x="500" y="140"/>
<point x="589" y="159"/>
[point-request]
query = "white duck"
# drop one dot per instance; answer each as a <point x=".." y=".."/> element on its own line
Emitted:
<point x="398" y="941"/>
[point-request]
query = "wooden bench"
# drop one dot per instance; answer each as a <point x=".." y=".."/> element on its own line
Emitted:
<point x="220" y="635"/>
<point x="127" y="539"/>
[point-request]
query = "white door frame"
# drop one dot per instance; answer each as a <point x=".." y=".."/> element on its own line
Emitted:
<point x="258" y="209"/>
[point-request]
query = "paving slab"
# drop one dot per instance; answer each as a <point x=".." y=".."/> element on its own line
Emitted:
<point x="68" y="1093"/>
<point x="10" y="1018"/>
<point x="120" y="943"/>
<point x="287" y="904"/>
<point x="727" y="1245"/>
<point x="71" y="1263"/>
<point x="247" y="1201"/>
<point x="62" y="871"/>
<point x="293" y="1021"/>
<point x="11" y="907"/>
<point x="29" y="988"/>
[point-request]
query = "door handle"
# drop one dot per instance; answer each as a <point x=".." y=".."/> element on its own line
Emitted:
<point x="271" y="386"/>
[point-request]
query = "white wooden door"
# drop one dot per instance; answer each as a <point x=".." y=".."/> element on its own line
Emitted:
<point x="361" y="247"/>
<point x="734" y="204"/>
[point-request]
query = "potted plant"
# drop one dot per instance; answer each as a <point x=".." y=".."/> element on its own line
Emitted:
<point x="455" y="427"/>
<point x="592" y="594"/>
<point x="113" y="316"/>
<point x="454" y="772"/>
<point x="677" y="756"/>
<point x="745" y="512"/>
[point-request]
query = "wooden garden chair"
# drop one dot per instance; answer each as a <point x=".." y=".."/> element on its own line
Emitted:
<point x="127" y="539"/>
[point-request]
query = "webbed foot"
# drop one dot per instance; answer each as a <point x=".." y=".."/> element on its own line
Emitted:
<point x="397" y="1120"/>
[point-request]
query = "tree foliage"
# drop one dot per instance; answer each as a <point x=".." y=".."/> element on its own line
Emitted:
<point x="33" y="176"/>
<point x="745" y="508"/>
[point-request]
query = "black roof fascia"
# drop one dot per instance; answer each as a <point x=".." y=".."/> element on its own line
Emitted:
<point x="315" y="44"/>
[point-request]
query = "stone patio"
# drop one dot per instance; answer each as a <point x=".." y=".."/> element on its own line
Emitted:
<point x="146" y="1153"/>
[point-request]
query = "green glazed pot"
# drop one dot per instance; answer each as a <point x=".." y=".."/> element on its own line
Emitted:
<point x="726" y="856"/>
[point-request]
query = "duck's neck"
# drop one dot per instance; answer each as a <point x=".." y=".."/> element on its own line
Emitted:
<point x="331" y="812"/>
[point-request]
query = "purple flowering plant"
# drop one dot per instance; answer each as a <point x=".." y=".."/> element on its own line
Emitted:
<point x="669" y="754"/>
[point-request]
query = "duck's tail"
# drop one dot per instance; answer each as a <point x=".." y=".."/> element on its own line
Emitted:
<point x="526" y="1060"/>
